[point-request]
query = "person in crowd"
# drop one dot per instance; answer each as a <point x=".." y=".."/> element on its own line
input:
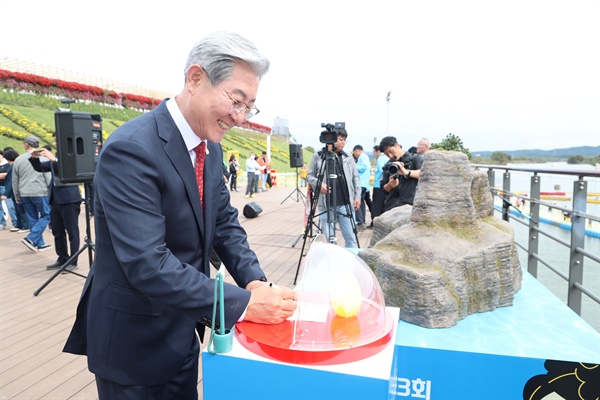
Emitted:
<point x="21" y="222"/>
<point x="233" y="169"/>
<point x="252" y="170"/>
<point x="400" y="186"/>
<point x="423" y="146"/>
<point x="264" y="162"/>
<point x="65" y="207"/>
<point x="363" y="165"/>
<point x="4" y="215"/>
<point x="226" y="173"/>
<point x="30" y="189"/>
<point x="9" y="202"/>
<point x="303" y="175"/>
<point x="378" y="194"/>
<point x="268" y="171"/>
<point x="149" y="296"/>
<point x="345" y="197"/>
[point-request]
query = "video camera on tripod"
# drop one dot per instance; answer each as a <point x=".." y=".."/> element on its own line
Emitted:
<point x="330" y="134"/>
<point x="336" y="200"/>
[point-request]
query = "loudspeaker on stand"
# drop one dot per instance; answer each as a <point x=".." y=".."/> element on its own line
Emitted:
<point x="296" y="156"/>
<point x="78" y="141"/>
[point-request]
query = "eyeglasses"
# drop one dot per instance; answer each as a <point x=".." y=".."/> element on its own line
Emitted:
<point x="239" y="106"/>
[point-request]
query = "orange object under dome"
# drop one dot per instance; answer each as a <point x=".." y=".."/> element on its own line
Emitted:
<point x="340" y="317"/>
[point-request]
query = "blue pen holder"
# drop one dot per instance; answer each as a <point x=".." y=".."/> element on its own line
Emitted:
<point x="221" y="340"/>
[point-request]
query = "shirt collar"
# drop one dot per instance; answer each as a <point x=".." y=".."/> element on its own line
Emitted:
<point x="188" y="135"/>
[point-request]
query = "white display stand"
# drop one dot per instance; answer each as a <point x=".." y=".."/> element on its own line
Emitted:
<point x="242" y="374"/>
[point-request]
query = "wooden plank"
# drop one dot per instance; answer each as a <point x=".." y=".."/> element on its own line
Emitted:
<point x="33" y="329"/>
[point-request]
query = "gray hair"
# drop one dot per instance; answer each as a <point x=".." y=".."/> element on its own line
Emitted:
<point x="425" y="142"/>
<point x="218" y="52"/>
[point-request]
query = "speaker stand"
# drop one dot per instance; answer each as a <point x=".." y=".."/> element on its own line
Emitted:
<point x="89" y="246"/>
<point x="297" y="192"/>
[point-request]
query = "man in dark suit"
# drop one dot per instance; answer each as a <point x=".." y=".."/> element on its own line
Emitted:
<point x="65" y="206"/>
<point x="149" y="290"/>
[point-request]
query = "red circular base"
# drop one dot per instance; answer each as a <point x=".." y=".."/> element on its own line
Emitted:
<point x="343" y="335"/>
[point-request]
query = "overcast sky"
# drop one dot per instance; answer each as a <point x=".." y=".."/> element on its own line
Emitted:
<point x="515" y="74"/>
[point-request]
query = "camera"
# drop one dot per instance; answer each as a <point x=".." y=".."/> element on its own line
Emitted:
<point x="391" y="169"/>
<point x="330" y="134"/>
<point x="36" y="153"/>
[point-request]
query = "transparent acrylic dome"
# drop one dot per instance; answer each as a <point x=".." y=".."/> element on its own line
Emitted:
<point x="340" y="315"/>
<point x="340" y="303"/>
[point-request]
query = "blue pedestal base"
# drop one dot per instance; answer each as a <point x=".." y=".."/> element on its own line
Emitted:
<point x="535" y="347"/>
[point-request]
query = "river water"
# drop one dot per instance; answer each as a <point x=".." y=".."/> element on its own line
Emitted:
<point x="551" y="251"/>
<point x="521" y="182"/>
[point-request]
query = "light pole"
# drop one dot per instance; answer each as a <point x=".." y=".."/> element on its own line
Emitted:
<point x="387" y="98"/>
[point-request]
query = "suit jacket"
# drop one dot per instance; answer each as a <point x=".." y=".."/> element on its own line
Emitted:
<point x="56" y="194"/>
<point x="149" y="285"/>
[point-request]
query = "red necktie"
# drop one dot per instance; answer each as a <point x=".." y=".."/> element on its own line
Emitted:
<point x="200" y="157"/>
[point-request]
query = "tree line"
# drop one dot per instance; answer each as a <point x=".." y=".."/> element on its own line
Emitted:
<point x="454" y="143"/>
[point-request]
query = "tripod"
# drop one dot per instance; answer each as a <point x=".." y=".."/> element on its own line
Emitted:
<point x="332" y="174"/>
<point x="89" y="245"/>
<point x="310" y="223"/>
<point x="297" y="192"/>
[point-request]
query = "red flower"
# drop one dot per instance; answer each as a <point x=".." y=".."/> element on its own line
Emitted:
<point x="78" y="90"/>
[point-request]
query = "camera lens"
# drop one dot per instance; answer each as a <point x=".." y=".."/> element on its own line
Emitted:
<point x="393" y="169"/>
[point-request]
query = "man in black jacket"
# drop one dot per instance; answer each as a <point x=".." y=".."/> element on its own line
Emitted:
<point x="65" y="206"/>
<point x="400" y="174"/>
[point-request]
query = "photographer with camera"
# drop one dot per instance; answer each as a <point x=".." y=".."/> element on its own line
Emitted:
<point x="400" y="174"/>
<point x="346" y="198"/>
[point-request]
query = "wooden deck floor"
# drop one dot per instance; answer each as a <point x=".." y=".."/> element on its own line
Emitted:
<point x="33" y="329"/>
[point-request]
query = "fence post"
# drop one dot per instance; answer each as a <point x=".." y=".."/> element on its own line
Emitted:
<point x="491" y="177"/>
<point x="577" y="240"/>
<point x="505" y="195"/>
<point x="534" y="221"/>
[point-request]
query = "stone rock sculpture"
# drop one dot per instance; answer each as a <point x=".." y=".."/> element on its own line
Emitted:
<point x="446" y="257"/>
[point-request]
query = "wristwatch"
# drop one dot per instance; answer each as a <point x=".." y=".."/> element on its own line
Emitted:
<point x="408" y="175"/>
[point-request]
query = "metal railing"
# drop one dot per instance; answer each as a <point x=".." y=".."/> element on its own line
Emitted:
<point x="576" y="213"/>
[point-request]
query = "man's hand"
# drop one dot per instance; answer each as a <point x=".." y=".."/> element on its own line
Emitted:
<point x="48" y="154"/>
<point x="401" y="170"/>
<point x="270" y="304"/>
<point x="255" y="284"/>
<point x="391" y="184"/>
<point x="35" y="153"/>
<point x="356" y="205"/>
<point x="324" y="188"/>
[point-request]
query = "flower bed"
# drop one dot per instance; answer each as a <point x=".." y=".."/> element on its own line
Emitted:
<point x="24" y="82"/>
